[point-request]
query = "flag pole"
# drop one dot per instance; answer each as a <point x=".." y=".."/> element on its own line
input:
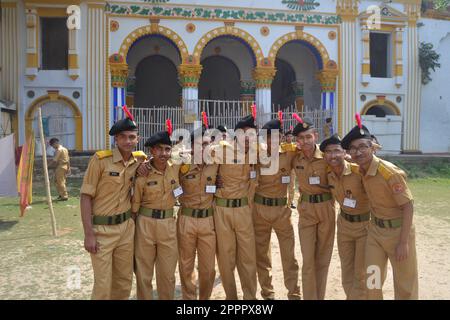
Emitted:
<point x="47" y="182"/>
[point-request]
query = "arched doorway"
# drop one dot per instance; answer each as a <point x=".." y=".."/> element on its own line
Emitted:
<point x="152" y="72"/>
<point x="156" y="83"/>
<point x="283" y="94"/>
<point x="61" y="119"/>
<point x="220" y="79"/>
<point x="295" y="82"/>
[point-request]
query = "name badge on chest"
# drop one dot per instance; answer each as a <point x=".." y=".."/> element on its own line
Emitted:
<point x="210" y="189"/>
<point x="286" y="179"/>
<point x="314" y="180"/>
<point x="178" y="192"/>
<point x="253" y="174"/>
<point x="351" y="203"/>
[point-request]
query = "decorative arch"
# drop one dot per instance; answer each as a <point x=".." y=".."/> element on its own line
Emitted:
<point x="154" y="29"/>
<point x="314" y="44"/>
<point x="234" y="32"/>
<point x="386" y="103"/>
<point x="55" y="96"/>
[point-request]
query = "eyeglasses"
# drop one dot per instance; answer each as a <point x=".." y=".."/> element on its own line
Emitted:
<point x="361" y="149"/>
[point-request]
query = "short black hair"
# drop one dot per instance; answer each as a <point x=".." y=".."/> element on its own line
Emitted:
<point x="328" y="120"/>
<point x="53" y="140"/>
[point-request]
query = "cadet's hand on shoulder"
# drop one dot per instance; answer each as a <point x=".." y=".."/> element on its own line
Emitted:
<point x="142" y="170"/>
<point x="402" y="251"/>
<point x="91" y="244"/>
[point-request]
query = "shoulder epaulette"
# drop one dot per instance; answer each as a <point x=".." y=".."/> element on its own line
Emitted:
<point x="139" y="153"/>
<point x="104" y="154"/>
<point x="288" y="147"/>
<point x="185" y="168"/>
<point x="354" y="167"/>
<point x="385" y="171"/>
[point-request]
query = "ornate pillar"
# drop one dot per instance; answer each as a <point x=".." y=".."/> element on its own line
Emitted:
<point x="411" y="112"/>
<point x="348" y="11"/>
<point x="119" y="75"/>
<point x="263" y="76"/>
<point x="365" y="68"/>
<point x="189" y="76"/>
<point x="327" y="80"/>
<point x="298" y="87"/>
<point x="31" y="70"/>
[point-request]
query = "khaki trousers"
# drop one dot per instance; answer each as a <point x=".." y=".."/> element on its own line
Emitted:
<point x="236" y="248"/>
<point x="155" y="247"/>
<point x="316" y="232"/>
<point x="113" y="262"/>
<point x="60" y="181"/>
<point x="381" y="244"/>
<point x="351" y="241"/>
<point x="266" y="218"/>
<point x="196" y="235"/>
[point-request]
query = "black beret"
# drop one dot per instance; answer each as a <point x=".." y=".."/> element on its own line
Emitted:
<point x="222" y="128"/>
<point x="272" y="125"/>
<point x="334" y="139"/>
<point x="161" y="137"/>
<point x="125" y="124"/>
<point x="247" y="121"/>
<point x="300" y="127"/>
<point x="354" y="134"/>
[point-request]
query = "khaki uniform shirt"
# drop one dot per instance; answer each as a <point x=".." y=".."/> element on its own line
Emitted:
<point x="156" y="190"/>
<point x="193" y="180"/>
<point x="316" y="167"/>
<point x="386" y="188"/>
<point x="271" y="186"/>
<point x="108" y="180"/>
<point x="61" y="158"/>
<point x="349" y="185"/>
<point x="235" y="176"/>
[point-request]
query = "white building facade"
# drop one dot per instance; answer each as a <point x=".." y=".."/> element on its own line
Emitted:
<point x="314" y="54"/>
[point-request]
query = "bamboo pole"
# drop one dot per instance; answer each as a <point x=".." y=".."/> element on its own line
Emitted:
<point x="47" y="182"/>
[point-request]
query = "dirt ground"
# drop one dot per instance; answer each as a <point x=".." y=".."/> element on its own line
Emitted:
<point x="35" y="265"/>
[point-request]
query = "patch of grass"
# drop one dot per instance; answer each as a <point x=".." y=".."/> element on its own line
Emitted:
<point x="431" y="169"/>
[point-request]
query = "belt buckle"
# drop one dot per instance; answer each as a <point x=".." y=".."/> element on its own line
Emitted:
<point x="118" y="219"/>
<point x="236" y="203"/>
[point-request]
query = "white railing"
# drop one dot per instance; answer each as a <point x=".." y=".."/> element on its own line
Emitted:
<point x="220" y="112"/>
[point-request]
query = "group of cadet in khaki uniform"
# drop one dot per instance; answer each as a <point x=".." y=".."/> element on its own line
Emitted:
<point x="229" y="207"/>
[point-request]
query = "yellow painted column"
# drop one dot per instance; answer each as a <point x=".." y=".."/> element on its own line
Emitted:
<point x="365" y="68"/>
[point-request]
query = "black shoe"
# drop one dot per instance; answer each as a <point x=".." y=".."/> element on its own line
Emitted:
<point x="293" y="206"/>
<point x="61" y="199"/>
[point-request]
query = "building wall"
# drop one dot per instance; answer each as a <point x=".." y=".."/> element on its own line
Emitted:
<point x="435" y="112"/>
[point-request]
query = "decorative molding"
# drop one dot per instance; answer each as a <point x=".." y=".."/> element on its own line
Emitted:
<point x="387" y="103"/>
<point x="327" y="80"/>
<point x="233" y="32"/>
<point x="119" y="71"/>
<point x="265" y="31"/>
<point x="301" y="5"/>
<point x="222" y="13"/>
<point x="347" y="9"/>
<point x="190" y="27"/>
<point x="303" y="36"/>
<point x="332" y="35"/>
<point x="248" y="88"/>
<point x="189" y="75"/>
<point x="263" y="76"/>
<point x="114" y="25"/>
<point x="154" y="29"/>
